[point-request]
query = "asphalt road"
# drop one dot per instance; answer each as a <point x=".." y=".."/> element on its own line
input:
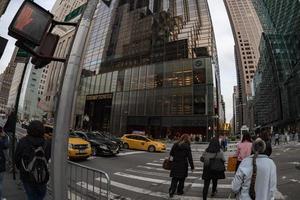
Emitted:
<point x="138" y="175"/>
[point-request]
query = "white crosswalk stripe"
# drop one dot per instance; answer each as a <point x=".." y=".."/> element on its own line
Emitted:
<point x="150" y="181"/>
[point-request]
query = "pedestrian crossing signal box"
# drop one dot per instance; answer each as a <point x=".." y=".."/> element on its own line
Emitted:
<point x="31" y="23"/>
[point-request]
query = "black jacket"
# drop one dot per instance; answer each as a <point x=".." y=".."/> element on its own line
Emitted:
<point x="268" y="150"/>
<point x="24" y="148"/>
<point x="3" y="146"/>
<point x="182" y="155"/>
<point x="207" y="173"/>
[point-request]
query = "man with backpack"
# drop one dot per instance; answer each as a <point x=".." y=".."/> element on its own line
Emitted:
<point x="32" y="155"/>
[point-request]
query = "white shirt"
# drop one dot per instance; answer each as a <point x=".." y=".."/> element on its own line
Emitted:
<point x="266" y="179"/>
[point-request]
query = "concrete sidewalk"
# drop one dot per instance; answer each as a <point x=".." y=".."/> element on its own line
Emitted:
<point x="13" y="189"/>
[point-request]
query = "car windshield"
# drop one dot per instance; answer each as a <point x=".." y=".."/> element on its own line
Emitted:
<point x="73" y="135"/>
<point x="93" y="136"/>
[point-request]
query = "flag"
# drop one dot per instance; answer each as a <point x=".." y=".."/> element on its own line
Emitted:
<point x="107" y="2"/>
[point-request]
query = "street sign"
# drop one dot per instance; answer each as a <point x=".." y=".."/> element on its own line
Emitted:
<point x="30" y="23"/>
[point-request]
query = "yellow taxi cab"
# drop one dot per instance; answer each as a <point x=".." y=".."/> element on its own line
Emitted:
<point x="77" y="148"/>
<point x="140" y="142"/>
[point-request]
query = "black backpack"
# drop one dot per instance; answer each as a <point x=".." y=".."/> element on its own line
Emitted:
<point x="37" y="166"/>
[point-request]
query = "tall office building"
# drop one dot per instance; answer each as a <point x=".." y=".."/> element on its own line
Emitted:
<point x="151" y="65"/>
<point x="236" y="124"/>
<point x="62" y="8"/>
<point x="66" y="10"/>
<point x="277" y="82"/>
<point x="5" y="84"/>
<point x="247" y="30"/>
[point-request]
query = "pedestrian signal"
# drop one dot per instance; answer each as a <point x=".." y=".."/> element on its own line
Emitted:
<point x="30" y="23"/>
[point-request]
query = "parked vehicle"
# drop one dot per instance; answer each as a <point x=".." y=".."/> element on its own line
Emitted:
<point x="111" y="137"/>
<point x="77" y="148"/>
<point x="100" y="145"/>
<point x="135" y="141"/>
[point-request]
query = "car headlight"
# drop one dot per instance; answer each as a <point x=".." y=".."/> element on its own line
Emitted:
<point x="89" y="145"/>
<point x="70" y="146"/>
<point x="102" y="146"/>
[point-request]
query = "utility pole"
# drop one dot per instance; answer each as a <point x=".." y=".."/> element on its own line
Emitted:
<point x="64" y="108"/>
<point x="15" y="118"/>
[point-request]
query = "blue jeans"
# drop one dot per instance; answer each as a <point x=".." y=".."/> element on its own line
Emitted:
<point x="1" y="183"/>
<point x="35" y="192"/>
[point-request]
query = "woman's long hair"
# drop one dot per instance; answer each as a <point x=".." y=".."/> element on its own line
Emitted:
<point x="264" y="135"/>
<point x="246" y="137"/>
<point x="214" y="146"/>
<point x="185" y="138"/>
<point x="258" y="147"/>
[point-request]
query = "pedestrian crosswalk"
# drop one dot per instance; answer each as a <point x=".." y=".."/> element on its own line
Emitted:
<point x="149" y="181"/>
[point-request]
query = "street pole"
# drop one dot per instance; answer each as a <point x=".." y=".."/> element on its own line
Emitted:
<point x="64" y="109"/>
<point x="15" y="117"/>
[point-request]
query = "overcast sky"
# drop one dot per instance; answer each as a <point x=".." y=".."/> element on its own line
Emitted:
<point x="223" y="36"/>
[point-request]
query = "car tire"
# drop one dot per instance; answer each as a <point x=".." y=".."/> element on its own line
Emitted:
<point x="125" y="146"/>
<point x="94" y="151"/>
<point x="151" y="148"/>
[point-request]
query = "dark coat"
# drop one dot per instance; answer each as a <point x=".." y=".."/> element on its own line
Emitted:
<point x="3" y="146"/>
<point x="207" y="173"/>
<point x="268" y="150"/>
<point x="24" y="147"/>
<point x="182" y="155"/>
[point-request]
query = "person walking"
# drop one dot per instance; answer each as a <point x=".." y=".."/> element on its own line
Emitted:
<point x="181" y="155"/>
<point x="3" y="146"/>
<point x="213" y="151"/>
<point x="276" y="138"/>
<point x="243" y="148"/>
<point x="32" y="155"/>
<point x="256" y="177"/>
<point x="264" y="135"/>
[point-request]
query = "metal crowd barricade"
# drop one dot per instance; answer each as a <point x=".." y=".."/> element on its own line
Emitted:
<point x="86" y="183"/>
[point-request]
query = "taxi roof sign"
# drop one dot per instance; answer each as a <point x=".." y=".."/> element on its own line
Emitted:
<point x="30" y="23"/>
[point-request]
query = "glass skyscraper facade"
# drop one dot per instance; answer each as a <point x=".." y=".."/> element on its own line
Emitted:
<point x="151" y="65"/>
<point x="277" y="82"/>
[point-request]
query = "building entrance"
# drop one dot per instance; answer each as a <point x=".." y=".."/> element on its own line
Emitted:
<point x="98" y="109"/>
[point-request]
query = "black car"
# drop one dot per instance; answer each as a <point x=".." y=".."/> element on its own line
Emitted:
<point x="100" y="146"/>
<point x="111" y="137"/>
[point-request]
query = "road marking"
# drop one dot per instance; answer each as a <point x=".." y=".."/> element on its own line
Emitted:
<point x="99" y="191"/>
<point x="166" y="182"/>
<point x="279" y="195"/>
<point x="73" y="196"/>
<point x="155" y="194"/>
<point x="161" y="161"/>
<point x="156" y="174"/>
<point x="131" y="153"/>
<point x="294" y="163"/>
<point x="194" y="172"/>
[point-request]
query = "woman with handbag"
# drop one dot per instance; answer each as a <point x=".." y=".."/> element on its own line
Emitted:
<point x="182" y="155"/>
<point x="214" y="167"/>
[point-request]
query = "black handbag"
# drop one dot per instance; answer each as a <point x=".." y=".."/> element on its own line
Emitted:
<point x="167" y="164"/>
<point x="216" y="164"/>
